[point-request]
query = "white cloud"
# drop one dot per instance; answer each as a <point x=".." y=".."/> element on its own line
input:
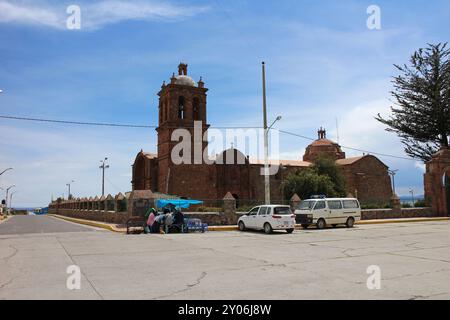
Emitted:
<point x="94" y="15"/>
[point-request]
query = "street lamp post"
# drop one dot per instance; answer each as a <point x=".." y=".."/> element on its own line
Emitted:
<point x="5" y="171"/>
<point x="10" y="200"/>
<point x="6" y="200"/>
<point x="266" y="139"/>
<point x="411" y="191"/>
<point x="392" y="173"/>
<point x="68" y="185"/>
<point x="103" y="167"/>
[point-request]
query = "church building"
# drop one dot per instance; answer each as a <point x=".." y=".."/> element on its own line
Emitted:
<point x="182" y="102"/>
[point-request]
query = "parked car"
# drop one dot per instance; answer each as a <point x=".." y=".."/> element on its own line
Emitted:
<point x="323" y="211"/>
<point x="268" y="218"/>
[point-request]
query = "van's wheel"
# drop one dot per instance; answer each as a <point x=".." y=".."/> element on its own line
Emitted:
<point x="334" y="225"/>
<point x="305" y="226"/>
<point x="289" y="230"/>
<point x="350" y="222"/>
<point x="320" y="224"/>
<point x="241" y="226"/>
<point x="267" y="228"/>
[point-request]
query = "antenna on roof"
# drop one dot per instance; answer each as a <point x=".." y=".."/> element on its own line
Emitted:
<point x="337" y="131"/>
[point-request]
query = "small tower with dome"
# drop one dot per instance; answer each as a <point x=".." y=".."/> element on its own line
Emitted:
<point x="323" y="146"/>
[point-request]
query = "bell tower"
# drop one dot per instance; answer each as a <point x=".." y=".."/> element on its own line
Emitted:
<point x="182" y="102"/>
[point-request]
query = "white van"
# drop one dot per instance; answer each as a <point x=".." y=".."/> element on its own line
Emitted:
<point x="268" y="218"/>
<point x="331" y="211"/>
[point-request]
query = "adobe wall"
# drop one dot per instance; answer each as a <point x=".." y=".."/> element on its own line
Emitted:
<point x="372" y="214"/>
<point x="433" y="180"/>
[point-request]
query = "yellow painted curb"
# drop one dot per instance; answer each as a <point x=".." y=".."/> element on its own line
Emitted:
<point x="223" y="228"/>
<point x="89" y="223"/>
<point x="404" y="220"/>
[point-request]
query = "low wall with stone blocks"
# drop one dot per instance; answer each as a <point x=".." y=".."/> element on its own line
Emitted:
<point x="120" y="208"/>
<point x="100" y="216"/>
<point x="372" y="214"/>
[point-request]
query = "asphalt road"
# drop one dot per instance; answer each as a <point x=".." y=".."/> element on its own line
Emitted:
<point x="38" y="224"/>
<point x="413" y="258"/>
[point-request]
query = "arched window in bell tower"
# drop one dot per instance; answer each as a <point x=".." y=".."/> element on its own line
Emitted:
<point x="196" y="109"/>
<point x="181" y="107"/>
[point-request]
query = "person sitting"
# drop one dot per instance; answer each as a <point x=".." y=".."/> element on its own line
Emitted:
<point x="159" y="221"/>
<point x="150" y="220"/>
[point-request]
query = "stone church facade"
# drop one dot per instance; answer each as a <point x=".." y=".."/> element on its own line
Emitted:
<point x="183" y="102"/>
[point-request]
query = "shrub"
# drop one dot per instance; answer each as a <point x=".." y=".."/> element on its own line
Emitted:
<point x="420" y="204"/>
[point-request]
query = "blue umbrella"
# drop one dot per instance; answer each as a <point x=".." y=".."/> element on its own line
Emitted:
<point x="179" y="203"/>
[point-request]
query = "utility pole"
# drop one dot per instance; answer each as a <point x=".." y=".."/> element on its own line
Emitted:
<point x="392" y="173"/>
<point x="103" y="167"/>
<point x="411" y="191"/>
<point x="68" y="185"/>
<point x="266" y="143"/>
<point x="10" y="199"/>
<point x="266" y="139"/>
<point x="6" y="200"/>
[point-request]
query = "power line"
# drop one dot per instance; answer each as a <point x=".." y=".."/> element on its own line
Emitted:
<point x="77" y="122"/>
<point x="105" y="124"/>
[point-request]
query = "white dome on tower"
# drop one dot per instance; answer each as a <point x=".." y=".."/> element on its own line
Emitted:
<point x="185" y="81"/>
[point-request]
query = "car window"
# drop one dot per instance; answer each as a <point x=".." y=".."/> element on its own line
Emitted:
<point x="269" y="210"/>
<point x="306" y="205"/>
<point x="282" y="210"/>
<point x="263" y="211"/>
<point x="319" y="205"/>
<point x="253" y="212"/>
<point x="334" y="204"/>
<point x="350" y="204"/>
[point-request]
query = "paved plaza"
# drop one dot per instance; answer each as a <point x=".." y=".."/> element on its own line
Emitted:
<point x="35" y="251"/>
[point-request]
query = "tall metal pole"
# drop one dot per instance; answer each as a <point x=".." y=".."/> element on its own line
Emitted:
<point x="412" y="196"/>
<point x="103" y="167"/>
<point x="266" y="138"/>
<point x="6" y="200"/>
<point x="68" y="185"/>
<point x="10" y="199"/>
<point x="392" y="173"/>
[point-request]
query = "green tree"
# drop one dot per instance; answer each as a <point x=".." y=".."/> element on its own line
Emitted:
<point x="326" y="166"/>
<point x="421" y="93"/>
<point x="323" y="177"/>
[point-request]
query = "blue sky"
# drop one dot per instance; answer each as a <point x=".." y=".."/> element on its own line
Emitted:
<point x="322" y="61"/>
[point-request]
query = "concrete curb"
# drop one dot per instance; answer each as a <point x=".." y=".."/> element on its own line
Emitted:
<point x="90" y="223"/>
<point x="402" y="220"/>
<point x="112" y="228"/>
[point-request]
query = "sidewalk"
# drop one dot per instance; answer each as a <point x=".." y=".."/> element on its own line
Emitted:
<point x="123" y="229"/>
<point x="4" y="218"/>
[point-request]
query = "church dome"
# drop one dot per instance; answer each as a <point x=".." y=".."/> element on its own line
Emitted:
<point x="323" y="146"/>
<point x="185" y="81"/>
